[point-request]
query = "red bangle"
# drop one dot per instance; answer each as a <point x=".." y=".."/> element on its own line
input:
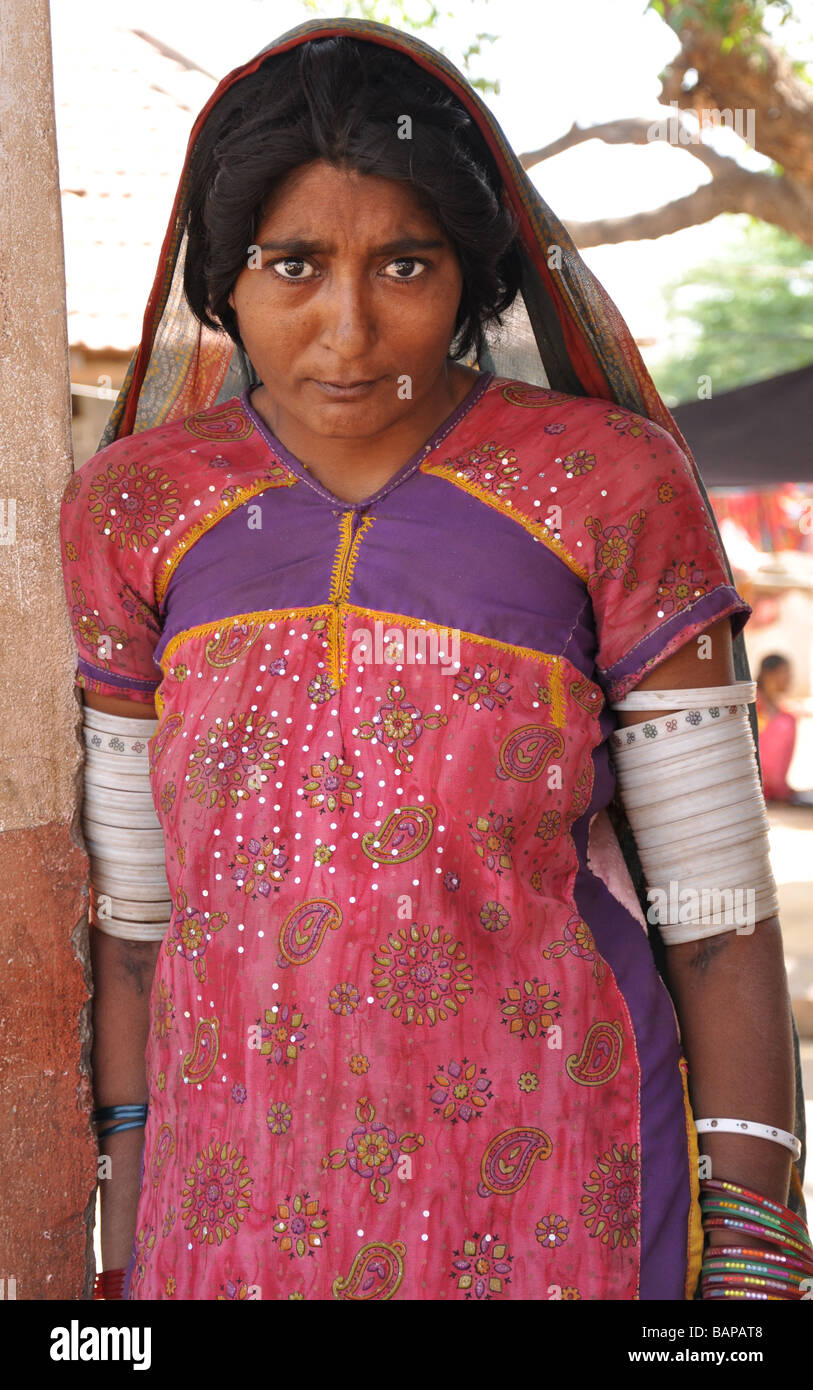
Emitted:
<point x="109" y="1284"/>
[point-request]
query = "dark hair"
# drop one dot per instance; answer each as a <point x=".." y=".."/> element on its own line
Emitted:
<point x="340" y="100"/>
<point x="771" y="663"/>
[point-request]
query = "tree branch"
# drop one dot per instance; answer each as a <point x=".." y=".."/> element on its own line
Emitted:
<point x="772" y="200"/>
<point x="635" y="130"/>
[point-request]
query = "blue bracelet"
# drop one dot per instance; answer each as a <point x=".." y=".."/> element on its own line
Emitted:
<point x="129" y="1117"/>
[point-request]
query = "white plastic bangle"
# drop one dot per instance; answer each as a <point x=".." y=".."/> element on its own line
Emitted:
<point x="116" y="723"/>
<point x="691" y="791"/>
<point x="752" y="1127"/>
<point x="130" y="895"/>
<point x="704" y="697"/>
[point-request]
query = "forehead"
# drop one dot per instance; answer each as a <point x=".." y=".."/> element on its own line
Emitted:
<point x="319" y="189"/>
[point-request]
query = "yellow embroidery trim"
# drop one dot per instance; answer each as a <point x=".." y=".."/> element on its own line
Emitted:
<point x="534" y="528"/>
<point x="341" y="577"/>
<point x="695" y="1241"/>
<point x="332" y="616"/>
<point x="199" y="528"/>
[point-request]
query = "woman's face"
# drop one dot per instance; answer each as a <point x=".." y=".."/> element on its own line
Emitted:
<point x="354" y="282"/>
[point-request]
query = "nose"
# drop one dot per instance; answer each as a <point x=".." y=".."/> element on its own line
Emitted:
<point x="348" y="326"/>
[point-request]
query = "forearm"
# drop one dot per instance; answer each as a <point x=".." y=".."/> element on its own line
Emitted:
<point x="122" y="974"/>
<point x="731" y="996"/>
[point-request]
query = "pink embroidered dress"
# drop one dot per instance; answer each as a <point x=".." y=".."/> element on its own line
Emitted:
<point x="407" y="1039"/>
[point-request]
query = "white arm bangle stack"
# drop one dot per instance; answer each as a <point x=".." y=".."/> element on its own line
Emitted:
<point x="129" y="893"/>
<point x="690" y="787"/>
<point x="755" y="1128"/>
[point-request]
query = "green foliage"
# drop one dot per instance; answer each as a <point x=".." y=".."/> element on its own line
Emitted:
<point x="751" y="309"/>
<point x="400" y="14"/>
<point x="736" y="19"/>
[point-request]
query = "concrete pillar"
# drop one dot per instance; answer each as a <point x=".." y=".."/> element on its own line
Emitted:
<point x="48" y="1163"/>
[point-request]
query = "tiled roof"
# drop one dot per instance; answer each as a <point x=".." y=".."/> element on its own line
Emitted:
<point x="125" y="103"/>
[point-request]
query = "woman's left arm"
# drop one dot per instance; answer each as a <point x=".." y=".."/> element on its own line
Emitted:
<point x="731" y="996"/>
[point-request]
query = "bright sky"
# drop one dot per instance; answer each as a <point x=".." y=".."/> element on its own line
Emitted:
<point x="586" y="61"/>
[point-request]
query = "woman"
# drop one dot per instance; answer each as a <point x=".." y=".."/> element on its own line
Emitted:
<point x="777" y="732"/>
<point x="406" y="1036"/>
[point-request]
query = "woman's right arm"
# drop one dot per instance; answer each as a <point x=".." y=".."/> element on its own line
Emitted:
<point x="122" y="978"/>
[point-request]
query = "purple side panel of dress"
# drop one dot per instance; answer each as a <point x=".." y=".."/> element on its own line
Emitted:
<point x="623" y="944"/>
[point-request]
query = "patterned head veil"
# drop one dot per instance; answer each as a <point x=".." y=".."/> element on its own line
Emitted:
<point x="563" y="330"/>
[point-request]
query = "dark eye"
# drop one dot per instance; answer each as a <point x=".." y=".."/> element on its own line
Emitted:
<point x="408" y="262"/>
<point x="289" y="261"/>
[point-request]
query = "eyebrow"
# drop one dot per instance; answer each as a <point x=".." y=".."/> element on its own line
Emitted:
<point x="303" y="246"/>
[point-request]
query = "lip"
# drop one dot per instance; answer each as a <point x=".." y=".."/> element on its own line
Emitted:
<point x="346" y="390"/>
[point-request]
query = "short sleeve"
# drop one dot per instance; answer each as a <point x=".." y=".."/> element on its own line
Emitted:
<point x="657" y="571"/>
<point x="106" y="572"/>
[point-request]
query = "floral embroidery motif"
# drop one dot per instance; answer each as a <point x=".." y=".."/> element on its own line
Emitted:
<point x="615" y="551"/>
<point x="300" y="1229"/>
<point x="610" y="1203"/>
<point x="278" y="1118"/>
<point x="528" y="1081"/>
<point x="484" y="685"/>
<point x="552" y="1231"/>
<point x="372" y="1150"/>
<point x="217" y="1193"/>
<point x="490" y="467"/>
<point x="321" y="689"/>
<point x="232" y="759"/>
<point x="580" y="462"/>
<point x="282" y="1034"/>
<point x="260" y="868"/>
<point x="359" y="1064"/>
<point x="550" y="823"/>
<point x="344" y="999"/>
<point x="191" y="931"/>
<point x="494" y="917"/>
<point x="397" y="724"/>
<point x="529" y="1008"/>
<point x="460" y="1092"/>
<point x="421" y="974"/>
<point x="666" y="492"/>
<point x="482" y="1267"/>
<point x="493" y="841"/>
<point x="680" y="586"/>
<point x="625" y="422"/>
<point x="133" y="504"/>
<point x="331" y="784"/>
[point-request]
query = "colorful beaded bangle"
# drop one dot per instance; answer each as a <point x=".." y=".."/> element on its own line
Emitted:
<point x="746" y="1212"/>
<point x="751" y="1267"/>
<point x="741" y="1293"/>
<point x="725" y="1193"/>
<point x="717" y="1223"/>
<point x="771" y="1257"/>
